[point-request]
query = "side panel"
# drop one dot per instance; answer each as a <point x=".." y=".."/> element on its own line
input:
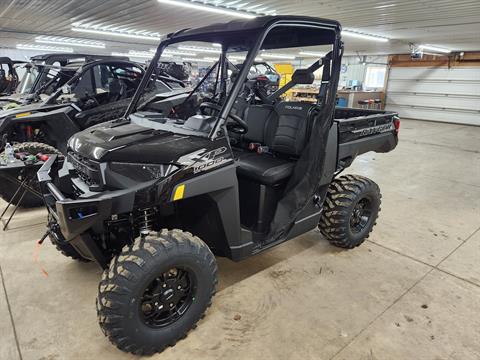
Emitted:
<point x="222" y="187"/>
<point x="331" y="157"/>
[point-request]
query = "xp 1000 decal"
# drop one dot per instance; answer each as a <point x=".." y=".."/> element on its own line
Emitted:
<point x="203" y="160"/>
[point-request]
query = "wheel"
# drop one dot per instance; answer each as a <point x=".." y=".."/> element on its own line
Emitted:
<point x="8" y="188"/>
<point x="155" y="291"/>
<point x="350" y="210"/>
<point x="58" y="240"/>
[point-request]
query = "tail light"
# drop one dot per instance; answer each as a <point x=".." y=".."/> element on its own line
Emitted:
<point x="396" y="123"/>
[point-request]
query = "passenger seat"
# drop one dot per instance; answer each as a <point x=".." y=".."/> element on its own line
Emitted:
<point x="285" y="132"/>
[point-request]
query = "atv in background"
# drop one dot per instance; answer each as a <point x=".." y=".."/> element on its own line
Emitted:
<point x="267" y="78"/>
<point x="153" y="195"/>
<point x="8" y="76"/>
<point x="178" y="71"/>
<point x="99" y="90"/>
<point x="43" y="74"/>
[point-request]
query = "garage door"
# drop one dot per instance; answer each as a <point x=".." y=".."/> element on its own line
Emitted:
<point x="437" y="94"/>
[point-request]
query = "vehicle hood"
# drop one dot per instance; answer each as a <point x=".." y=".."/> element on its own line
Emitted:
<point x="25" y="109"/>
<point x="132" y="143"/>
<point x="22" y="112"/>
<point x="11" y="97"/>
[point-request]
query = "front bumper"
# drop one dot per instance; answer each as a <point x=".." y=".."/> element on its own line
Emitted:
<point x="76" y="216"/>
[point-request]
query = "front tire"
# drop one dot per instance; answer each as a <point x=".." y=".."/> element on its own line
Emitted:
<point x="58" y="240"/>
<point x="350" y="210"/>
<point x="155" y="291"/>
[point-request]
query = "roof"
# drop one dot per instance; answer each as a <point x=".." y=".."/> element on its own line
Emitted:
<point x="68" y="56"/>
<point x="235" y="30"/>
<point x="5" y="60"/>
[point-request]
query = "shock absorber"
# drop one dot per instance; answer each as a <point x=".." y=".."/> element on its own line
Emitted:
<point x="145" y="220"/>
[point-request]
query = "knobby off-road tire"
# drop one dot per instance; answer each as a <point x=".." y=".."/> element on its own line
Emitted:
<point x="139" y="282"/>
<point x="8" y="187"/>
<point x="350" y="210"/>
<point x="58" y="240"/>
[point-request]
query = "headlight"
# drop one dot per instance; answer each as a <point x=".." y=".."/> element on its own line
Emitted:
<point x="143" y="172"/>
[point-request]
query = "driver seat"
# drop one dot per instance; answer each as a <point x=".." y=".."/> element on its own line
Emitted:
<point x="285" y="133"/>
<point x="116" y="90"/>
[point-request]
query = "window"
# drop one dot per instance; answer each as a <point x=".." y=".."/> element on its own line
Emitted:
<point x="375" y="77"/>
<point x="84" y="87"/>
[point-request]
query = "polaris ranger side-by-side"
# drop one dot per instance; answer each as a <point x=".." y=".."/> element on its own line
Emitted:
<point x="153" y="195"/>
<point x="76" y="97"/>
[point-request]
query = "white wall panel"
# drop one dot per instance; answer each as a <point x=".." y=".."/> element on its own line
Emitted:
<point x="437" y="94"/>
<point x="435" y="101"/>
<point x="451" y="116"/>
<point x="443" y="74"/>
<point x="430" y="87"/>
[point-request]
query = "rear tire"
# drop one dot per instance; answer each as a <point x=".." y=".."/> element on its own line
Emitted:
<point x="350" y="211"/>
<point x="155" y="291"/>
<point x="8" y="188"/>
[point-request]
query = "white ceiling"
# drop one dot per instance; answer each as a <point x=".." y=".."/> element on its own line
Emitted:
<point x="446" y="23"/>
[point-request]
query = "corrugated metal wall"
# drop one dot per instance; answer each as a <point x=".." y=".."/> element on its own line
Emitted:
<point x="437" y="94"/>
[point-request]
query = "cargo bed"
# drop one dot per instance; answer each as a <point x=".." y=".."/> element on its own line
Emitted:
<point x="364" y="130"/>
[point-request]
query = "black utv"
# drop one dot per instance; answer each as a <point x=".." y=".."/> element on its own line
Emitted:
<point x="74" y="97"/>
<point x="42" y="73"/>
<point x="267" y="79"/>
<point x="153" y="195"/>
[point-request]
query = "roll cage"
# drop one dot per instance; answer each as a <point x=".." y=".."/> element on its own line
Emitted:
<point x="309" y="32"/>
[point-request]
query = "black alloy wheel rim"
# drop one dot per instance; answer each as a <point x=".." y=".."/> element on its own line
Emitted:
<point x="167" y="297"/>
<point x="361" y="215"/>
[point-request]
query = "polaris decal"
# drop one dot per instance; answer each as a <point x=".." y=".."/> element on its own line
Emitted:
<point x="289" y="107"/>
<point x="374" y="129"/>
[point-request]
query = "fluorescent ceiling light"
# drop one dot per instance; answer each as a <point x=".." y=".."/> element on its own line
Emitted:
<point x="198" y="60"/>
<point x="99" y="30"/>
<point x="278" y="56"/>
<point x="133" y="54"/>
<point x="174" y="52"/>
<point x="232" y="8"/>
<point x="242" y="58"/>
<point x="435" y="49"/>
<point x="310" y="53"/>
<point x="200" y="49"/>
<point x="364" y="36"/>
<point x="384" y="6"/>
<point x="44" y="48"/>
<point x="56" y="40"/>
<point x="138" y="54"/>
<point x="144" y="54"/>
<point x="236" y="57"/>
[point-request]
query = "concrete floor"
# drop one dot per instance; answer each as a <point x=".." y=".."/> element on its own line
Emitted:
<point x="411" y="292"/>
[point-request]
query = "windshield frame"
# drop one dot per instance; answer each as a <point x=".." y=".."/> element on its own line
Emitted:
<point x="244" y="71"/>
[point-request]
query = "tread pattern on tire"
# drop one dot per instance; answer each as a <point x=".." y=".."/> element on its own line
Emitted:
<point x="7" y="190"/>
<point x="38" y="146"/>
<point x="334" y="221"/>
<point x="68" y="251"/>
<point x="125" y="268"/>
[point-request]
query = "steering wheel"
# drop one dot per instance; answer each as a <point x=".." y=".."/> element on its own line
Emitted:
<point x="89" y="100"/>
<point x="240" y="126"/>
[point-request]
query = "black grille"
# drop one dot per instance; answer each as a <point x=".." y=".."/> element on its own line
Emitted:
<point x="86" y="169"/>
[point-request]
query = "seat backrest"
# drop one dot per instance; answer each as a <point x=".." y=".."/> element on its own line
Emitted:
<point x="291" y="133"/>
<point x="261" y="121"/>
